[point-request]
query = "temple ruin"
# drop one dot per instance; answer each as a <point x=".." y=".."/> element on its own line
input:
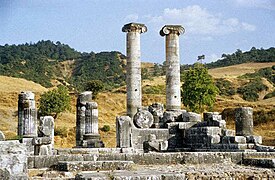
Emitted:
<point x="151" y="135"/>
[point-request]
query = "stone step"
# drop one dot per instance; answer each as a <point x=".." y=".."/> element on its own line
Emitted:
<point x="130" y="175"/>
<point x="94" y="165"/>
<point x="261" y="162"/>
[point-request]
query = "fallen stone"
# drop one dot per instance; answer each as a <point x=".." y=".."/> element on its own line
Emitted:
<point x="191" y="117"/>
<point x="143" y="119"/>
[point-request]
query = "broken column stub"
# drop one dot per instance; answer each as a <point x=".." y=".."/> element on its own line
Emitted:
<point x="143" y="119"/>
<point x="244" y="121"/>
<point x="43" y="144"/>
<point x="133" y="75"/>
<point x="123" y="131"/>
<point x="82" y="99"/>
<point x="87" y="122"/>
<point x="27" y="115"/>
<point x="171" y="33"/>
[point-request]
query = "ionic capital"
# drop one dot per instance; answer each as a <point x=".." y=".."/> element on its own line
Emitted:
<point x="172" y="29"/>
<point x="141" y="28"/>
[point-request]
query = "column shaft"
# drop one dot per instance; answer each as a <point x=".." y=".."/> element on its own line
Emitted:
<point x="173" y="98"/>
<point x="133" y="77"/>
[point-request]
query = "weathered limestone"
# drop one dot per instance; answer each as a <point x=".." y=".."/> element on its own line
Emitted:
<point x="173" y="98"/>
<point x="44" y="143"/>
<point x="154" y="144"/>
<point x="156" y="109"/>
<point x="82" y="99"/>
<point x="244" y="121"/>
<point x="13" y="159"/>
<point x="133" y="76"/>
<point x="143" y="119"/>
<point x="123" y="131"/>
<point x="87" y="122"/>
<point x="27" y="123"/>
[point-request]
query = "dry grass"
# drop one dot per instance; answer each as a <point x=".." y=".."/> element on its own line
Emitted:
<point x="10" y="84"/>
<point x="238" y="70"/>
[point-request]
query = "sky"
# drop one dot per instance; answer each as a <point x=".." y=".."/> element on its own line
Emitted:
<point x="212" y="27"/>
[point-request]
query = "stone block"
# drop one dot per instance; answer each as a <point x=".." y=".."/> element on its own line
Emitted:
<point x="43" y="149"/>
<point x="212" y="116"/>
<point x="234" y="139"/>
<point x="155" y="145"/>
<point x="156" y="109"/>
<point x="220" y="123"/>
<point x="94" y="165"/>
<point x="13" y="158"/>
<point x="139" y="136"/>
<point x="261" y="148"/>
<point x="186" y="125"/>
<point x="203" y="131"/>
<point x="46" y="126"/>
<point x="264" y="163"/>
<point x="123" y="131"/>
<point x="172" y="116"/>
<point x="254" y="139"/>
<point x="191" y="117"/>
<point x="228" y="132"/>
<point x="143" y="119"/>
<point x="41" y="140"/>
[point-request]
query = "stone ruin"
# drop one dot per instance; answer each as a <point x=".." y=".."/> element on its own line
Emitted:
<point x="145" y="136"/>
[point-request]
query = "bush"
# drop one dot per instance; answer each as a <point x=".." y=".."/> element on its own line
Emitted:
<point x="270" y="95"/>
<point x="226" y="88"/>
<point x="54" y="102"/>
<point x="158" y="89"/>
<point x="60" y="131"/>
<point x="106" y="128"/>
<point x="95" y="86"/>
<point x="250" y="90"/>
<point x="261" y="117"/>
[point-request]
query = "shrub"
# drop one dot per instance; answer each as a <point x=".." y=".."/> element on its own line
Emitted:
<point x="106" y="128"/>
<point x="226" y="88"/>
<point x="260" y="117"/>
<point x="158" y="89"/>
<point x="250" y="90"/>
<point x="270" y="95"/>
<point x="95" y="86"/>
<point x="54" y="102"/>
<point x="60" y="131"/>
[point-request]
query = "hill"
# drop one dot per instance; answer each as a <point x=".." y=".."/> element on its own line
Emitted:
<point x="239" y="57"/>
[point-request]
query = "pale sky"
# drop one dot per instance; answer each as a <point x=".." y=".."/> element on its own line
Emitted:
<point x="212" y="27"/>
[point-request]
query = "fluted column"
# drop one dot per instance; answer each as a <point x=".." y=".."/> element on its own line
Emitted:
<point x="171" y="33"/>
<point x="82" y="99"/>
<point x="133" y="76"/>
<point x="27" y="115"/>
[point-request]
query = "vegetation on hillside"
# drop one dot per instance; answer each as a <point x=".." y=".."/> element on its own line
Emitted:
<point x="239" y="57"/>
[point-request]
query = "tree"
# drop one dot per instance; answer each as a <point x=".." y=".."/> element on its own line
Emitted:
<point x="198" y="90"/>
<point x="54" y="102"/>
<point x="95" y="86"/>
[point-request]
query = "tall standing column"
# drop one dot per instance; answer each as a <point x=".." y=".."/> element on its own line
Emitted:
<point x="171" y="33"/>
<point x="133" y="76"/>
<point x="27" y="123"/>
